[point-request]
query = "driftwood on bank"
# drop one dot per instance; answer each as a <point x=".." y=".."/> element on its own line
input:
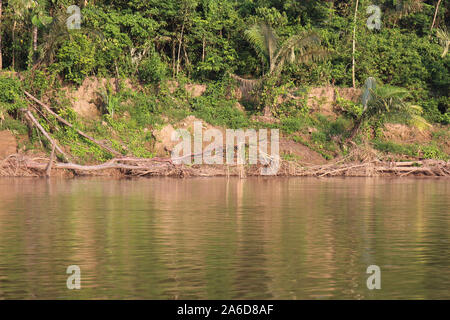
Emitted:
<point x="437" y="168"/>
<point x="62" y="120"/>
<point x="48" y="169"/>
<point x="20" y="165"/>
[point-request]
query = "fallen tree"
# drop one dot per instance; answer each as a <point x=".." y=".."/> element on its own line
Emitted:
<point x="65" y="122"/>
<point x="36" y="123"/>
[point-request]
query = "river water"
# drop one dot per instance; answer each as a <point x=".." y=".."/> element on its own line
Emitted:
<point x="213" y="238"/>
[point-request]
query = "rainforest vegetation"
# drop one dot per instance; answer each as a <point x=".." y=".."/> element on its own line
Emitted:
<point x="257" y="61"/>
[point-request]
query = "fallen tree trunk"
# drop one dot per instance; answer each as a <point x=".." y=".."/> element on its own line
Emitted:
<point x="42" y="130"/>
<point x="137" y="166"/>
<point x="48" y="169"/>
<point x="62" y="120"/>
<point x="103" y="166"/>
<point x="343" y="169"/>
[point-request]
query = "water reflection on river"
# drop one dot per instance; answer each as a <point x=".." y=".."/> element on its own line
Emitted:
<point x="215" y="238"/>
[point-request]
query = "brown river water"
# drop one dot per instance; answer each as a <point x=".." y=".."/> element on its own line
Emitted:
<point x="213" y="238"/>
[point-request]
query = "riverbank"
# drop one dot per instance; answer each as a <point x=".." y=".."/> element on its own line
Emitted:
<point x="134" y="136"/>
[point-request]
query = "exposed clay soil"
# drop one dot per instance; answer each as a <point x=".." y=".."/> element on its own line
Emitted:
<point x="322" y="99"/>
<point x="85" y="99"/>
<point x="301" y="152"/>
<point x="8" y="144"/>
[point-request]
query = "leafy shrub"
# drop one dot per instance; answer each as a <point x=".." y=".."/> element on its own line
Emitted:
<point x="392" y="147"/>
<point x="219" y="112"/>
<point x="75" y="59"/>
<point x="152" y="69"/>
<point x="294" y="124"/>
<point x="433" y="152"/>
<point x="11" y="96"/>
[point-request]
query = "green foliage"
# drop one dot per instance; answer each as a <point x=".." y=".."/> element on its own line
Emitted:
<point x="11" y="94"/>
<point x="38" y="82"/>
<point x="300" y="48"/>
<point x="391" y="101"/>
<point x="152" y="69"/>
<point x="294" y="124"/>
<point x="194" y="41"/>
<point x="312" y="146"/>
<point x="142" y="108"/>
<point x="392" y="147"/>
<point x="14" y="125"/>
<point x="75" y="59"/>
<point x="220" y="112"/>
<point x="349" y="108"/>
<point x="430" y="151"/>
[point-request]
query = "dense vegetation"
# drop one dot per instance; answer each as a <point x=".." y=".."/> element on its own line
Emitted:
<point x="216" y="42"/>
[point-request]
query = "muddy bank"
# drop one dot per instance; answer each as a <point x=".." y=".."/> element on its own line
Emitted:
<point x="18" y="165"/>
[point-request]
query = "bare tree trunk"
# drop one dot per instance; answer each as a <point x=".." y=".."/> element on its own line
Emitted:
<point x="41" y="129"/>
<point x="35" y="36"/>
<point x="48" y="170"/>
<point x="203" y="48"/>
<point x="355" y="129"/>
<point x="14" y="44"/>
<point x="179" y="46"/>
<point x="188" y="63"/>
<point x="173" y="58"/>
<point x="435" y="14"/>
<point x="354" y="45"/>
<point x="1" y="56"/>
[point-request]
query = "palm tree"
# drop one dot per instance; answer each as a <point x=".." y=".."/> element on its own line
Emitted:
<point x="300" y="48"/>
<point x="386" y="101"/>
<point x="19" y="9"/>
<point x="39" y="19"/>
<point x="444" y="40"/>
<point x="354" y="45"/>
<point x="435" y="14"/>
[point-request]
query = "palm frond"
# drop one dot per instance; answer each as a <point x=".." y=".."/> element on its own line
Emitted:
<point x="444" y="40"/>
<point x="57" y="33"/>
<point x="300" y="42"/>
<point x="418" y="121"/>
<point x="263" y="39"/>
<point x="391" y="102"/>
<point x="301" y="48"/>
<point x="390" y="92"/>
<point x="312" y="55"/>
